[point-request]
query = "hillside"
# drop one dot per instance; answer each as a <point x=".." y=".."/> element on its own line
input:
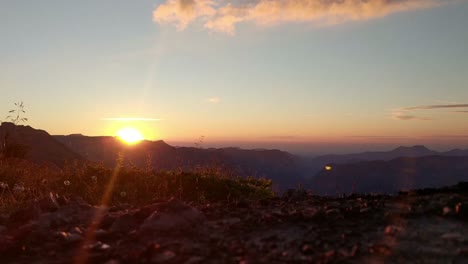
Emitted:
<point x="277" y="165"/>
<point x="38" y="145"/>
<point x="312" y="165"/>
<point x="391" y="176"/>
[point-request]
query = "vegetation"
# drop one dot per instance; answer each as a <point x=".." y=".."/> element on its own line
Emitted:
<point x="9" y="149"/>
<point x="22" y="181"/>
<point x="15" y="115"/>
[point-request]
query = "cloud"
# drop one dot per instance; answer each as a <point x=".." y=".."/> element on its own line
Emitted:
<point x="401" y="116"/>
<point x="223" y="16"/>
<point x="428" y="107"/>
<point x="213" y="100"/>
<point x="183" y="12"/>
<point x="131" y="119"/>
<point x="405" y="113"/>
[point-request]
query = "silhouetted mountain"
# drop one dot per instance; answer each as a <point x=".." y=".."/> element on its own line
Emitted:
<point x="456" y="152"/>
<point x="313" y="165"/>
<point x="38" y="145"/>
<point x="391" y="176"/>
<point x="277" y="165"/>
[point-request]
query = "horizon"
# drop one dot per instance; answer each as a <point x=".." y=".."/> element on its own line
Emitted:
<point x="305" y="149"/>
<point x="311" y="77"/>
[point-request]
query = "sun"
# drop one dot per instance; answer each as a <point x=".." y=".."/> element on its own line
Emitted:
<point x="129" y="135"/>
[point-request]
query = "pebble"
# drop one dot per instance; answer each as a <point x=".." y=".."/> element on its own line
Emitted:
<point x="70" y="237"/>
<point x="446" y="210"/>
<point x="194" y="260"/>
<point x="178" y="218"/>
<point x="392" y="230"/>
<point x="163" y="257"/>
<point x="307" y="249"/>
<point x="452" y="236"/>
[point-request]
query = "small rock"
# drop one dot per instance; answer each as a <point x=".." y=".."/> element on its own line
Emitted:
<point x="354" y="250"/>
<point x="452" y="236"/>
<point x="70" y="237"/>
<point x="124" y="224"/>
<point x="49" y="203"/>
<point x="330" y="254"/>
<point x="461" y="210"/>
<point x="333" y="211"/>
<point x="163" y="257"/>
<point x="100" y="233"/>
<point x="446" y="210"/>
<point x="194" y="260"/>
<point x="364" y="210"/>
<point x="112" y="261"/>
<point x="97" y="246"/>
<point x="177" y="218"/>
<point x="307" y="249"/>
<point x="392" y="230"/>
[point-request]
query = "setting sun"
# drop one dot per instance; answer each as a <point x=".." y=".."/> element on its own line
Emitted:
<point x="129" y="135"/>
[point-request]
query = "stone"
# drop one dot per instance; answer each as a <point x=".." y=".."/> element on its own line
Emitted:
<point x="392" y="230"/>
<point x="446" y="210"/>
<point x="49" y="203"/>
<point x="307" y="249"/>
<point x="194" y="260"/>
<point x="452" y="236"/>
<point x="163" y="257"/>
<point x="461" y="210"/>
<point x="70" y="237"/>
<point x="124" y="224"/>
<point x="177" y="217"/>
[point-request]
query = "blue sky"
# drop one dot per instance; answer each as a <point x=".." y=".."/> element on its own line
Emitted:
<point x="271" y="79"/>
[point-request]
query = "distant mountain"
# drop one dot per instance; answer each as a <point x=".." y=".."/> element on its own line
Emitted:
<point x="391" y="176"/>
<point x="38" y="145"/>
<point x="313" y="165"/>
<point x="455" y="152"/>
<point x="277" y="165"/>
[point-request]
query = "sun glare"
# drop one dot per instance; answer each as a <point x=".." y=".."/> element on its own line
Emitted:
<point x="130" y="135"/>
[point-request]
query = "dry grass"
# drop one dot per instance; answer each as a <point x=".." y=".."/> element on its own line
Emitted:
<point x="22" y="181"/>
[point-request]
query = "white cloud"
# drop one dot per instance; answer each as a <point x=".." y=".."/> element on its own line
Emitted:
<point x="223" y="16"/>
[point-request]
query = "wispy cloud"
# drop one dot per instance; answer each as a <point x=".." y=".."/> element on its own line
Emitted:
<point x="401" y="116"/>
<point x="213" y="100"/>
<point x="223" y="16"/>
<point x="428" y="107"/>
<point x="131" y="119"/>
<point x="406" y="113"/>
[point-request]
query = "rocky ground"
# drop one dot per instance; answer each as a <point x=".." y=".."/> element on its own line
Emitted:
<point x="426" y="226"/>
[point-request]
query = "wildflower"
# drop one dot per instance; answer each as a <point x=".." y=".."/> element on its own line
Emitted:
<point x="66" y="183"/>
<point x="3" y="185"/>
<point x="123" y="194"/>
<point x="18" y="188"/>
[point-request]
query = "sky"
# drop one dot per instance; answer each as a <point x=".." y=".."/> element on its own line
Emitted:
<point x="315" y="76"/>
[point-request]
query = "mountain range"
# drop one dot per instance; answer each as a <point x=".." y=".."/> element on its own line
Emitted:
<point x="379" y="176"/>
<point x="313" y="165"/>
<point x="390" y="171"/>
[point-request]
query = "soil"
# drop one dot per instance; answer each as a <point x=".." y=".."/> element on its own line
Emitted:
<point x="425" y="226"/>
